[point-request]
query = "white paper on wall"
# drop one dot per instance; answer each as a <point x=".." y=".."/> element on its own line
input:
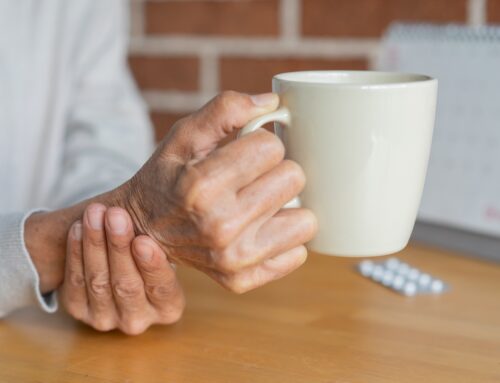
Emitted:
<point x="463" y="181"/>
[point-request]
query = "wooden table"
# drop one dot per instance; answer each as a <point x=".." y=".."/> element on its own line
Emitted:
<point x="324" y="323"/>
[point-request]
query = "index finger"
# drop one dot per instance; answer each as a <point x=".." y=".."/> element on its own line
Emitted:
<point x="161" y="285"/>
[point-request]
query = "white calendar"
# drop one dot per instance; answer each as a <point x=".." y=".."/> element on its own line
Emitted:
<point x="463" y="181"/>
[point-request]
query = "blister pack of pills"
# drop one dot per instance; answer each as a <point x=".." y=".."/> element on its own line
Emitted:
<point x="401" y="277"/>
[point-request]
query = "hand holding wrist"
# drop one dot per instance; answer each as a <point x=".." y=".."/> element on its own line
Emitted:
<point x="45" y="236"/>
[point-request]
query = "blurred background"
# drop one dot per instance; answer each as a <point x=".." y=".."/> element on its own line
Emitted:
<point x="183" y="52"/>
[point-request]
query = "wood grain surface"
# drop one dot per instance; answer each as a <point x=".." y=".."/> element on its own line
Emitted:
<point x="323" y="323"/>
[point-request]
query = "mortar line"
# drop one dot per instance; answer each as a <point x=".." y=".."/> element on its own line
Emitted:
<point x="476" y="12"/>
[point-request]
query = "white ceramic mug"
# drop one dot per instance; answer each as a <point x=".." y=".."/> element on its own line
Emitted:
<point x="363" y="139"/>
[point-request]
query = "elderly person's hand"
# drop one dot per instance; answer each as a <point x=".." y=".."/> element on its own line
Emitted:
<point x="116" y="280"/>
<point x="218" y="209"/>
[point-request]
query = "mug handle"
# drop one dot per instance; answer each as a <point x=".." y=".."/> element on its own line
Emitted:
<point x="281" y="115"/>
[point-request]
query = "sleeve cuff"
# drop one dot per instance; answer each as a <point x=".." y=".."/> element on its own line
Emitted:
<point x="19" y="280"/>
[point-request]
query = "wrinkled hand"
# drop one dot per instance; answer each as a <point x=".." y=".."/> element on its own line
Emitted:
<point x="114" y="280"/>
<point x="219" y="209"/>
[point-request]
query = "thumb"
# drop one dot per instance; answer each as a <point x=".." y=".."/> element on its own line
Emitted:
<point x="201" y="132"/>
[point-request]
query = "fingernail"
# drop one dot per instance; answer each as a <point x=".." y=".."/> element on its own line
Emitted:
<point x="264" y="99"/>
<point x="117" y="222"/>
<point x="144" y="251"/>
<point x="96" y="217"/>
<point x="77" y="231"/>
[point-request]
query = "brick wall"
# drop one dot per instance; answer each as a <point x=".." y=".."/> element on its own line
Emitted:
<point x="183" y="52"/>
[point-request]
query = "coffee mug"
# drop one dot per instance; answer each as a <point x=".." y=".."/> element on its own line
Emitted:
<point x="363" y="139"/>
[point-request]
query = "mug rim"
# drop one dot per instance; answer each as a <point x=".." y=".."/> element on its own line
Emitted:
<point x="306" y="78"/>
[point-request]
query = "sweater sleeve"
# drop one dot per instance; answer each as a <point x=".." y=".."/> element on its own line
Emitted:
<point x="19" y="282"/>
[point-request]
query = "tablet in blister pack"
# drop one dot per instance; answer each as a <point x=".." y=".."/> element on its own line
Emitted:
<point x="401" y="277"/>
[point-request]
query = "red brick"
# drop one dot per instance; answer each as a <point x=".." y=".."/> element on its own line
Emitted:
<point x="369" y="18"/>
<point x="223" y="17"/>
<point x="493" y="15"/>
<point x="165" y="73"/>
<point x="163" y="121"/>
<point x="254" y="75"/>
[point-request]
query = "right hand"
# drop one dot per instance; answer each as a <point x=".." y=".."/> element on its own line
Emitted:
<point x="219" y="209"/>
<point x="114" y="279"/>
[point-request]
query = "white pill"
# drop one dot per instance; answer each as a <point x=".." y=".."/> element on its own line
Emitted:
<point x="403" y="269"/>
<point x="398" y="282"/>
<point x="387" y="278"/>
<point x="424" y="280"/>
<point x="378" y="273"/>
<point x="437" y="286"/>
<point x="392" y="263"/>
<point x="410" y="289"/>
<point x="413" y="274"/>
<point x="366" y="268"/>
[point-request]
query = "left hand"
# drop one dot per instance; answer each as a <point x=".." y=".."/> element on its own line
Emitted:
<point x="115" y="281"/>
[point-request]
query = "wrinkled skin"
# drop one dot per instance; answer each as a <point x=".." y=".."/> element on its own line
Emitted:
<point x="218" y="209"/>
<point x="115" y="280"/>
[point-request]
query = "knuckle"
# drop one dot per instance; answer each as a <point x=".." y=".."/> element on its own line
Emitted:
<point x="219" y="232"/>
<point x="194" y="189"/>
<point x="172" y="316"/>
<point x="76" y="280"/>
<point x="296" y="176"/>
<point x="199" y="194"/>
<point x="300" y="256"/>
<point x="236" y="284"/>
<point x="303" y="253"/>
<point x="128" y="289"/>
<point x="161" y="291"/>
<point x="227" y="110"/>
<point x="229" y="94"/>
<point x="310" y="223"/>
<point x="179" y="130"/>
<point x="248" y="255"/>
<point x="233" y="259"/>
<point x="75" y="252"/>
<point x="99" y="284"/>
<point x="294" y="259"/>
<point x="224" y="263"/>
<point x="74" y="310"/>
<point x="149" y="270"/>
<point x="173" y="313"/>
<point x="238" y="288"/>
<point x="103" y="323"/>
<point x="182" y="122"/>
<point x="96" y="238"/>
<point x="134" y="326"/>
<point x="122" y="248"/>
<point x="224" y="100"/>
<point x="119" y="244"/>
